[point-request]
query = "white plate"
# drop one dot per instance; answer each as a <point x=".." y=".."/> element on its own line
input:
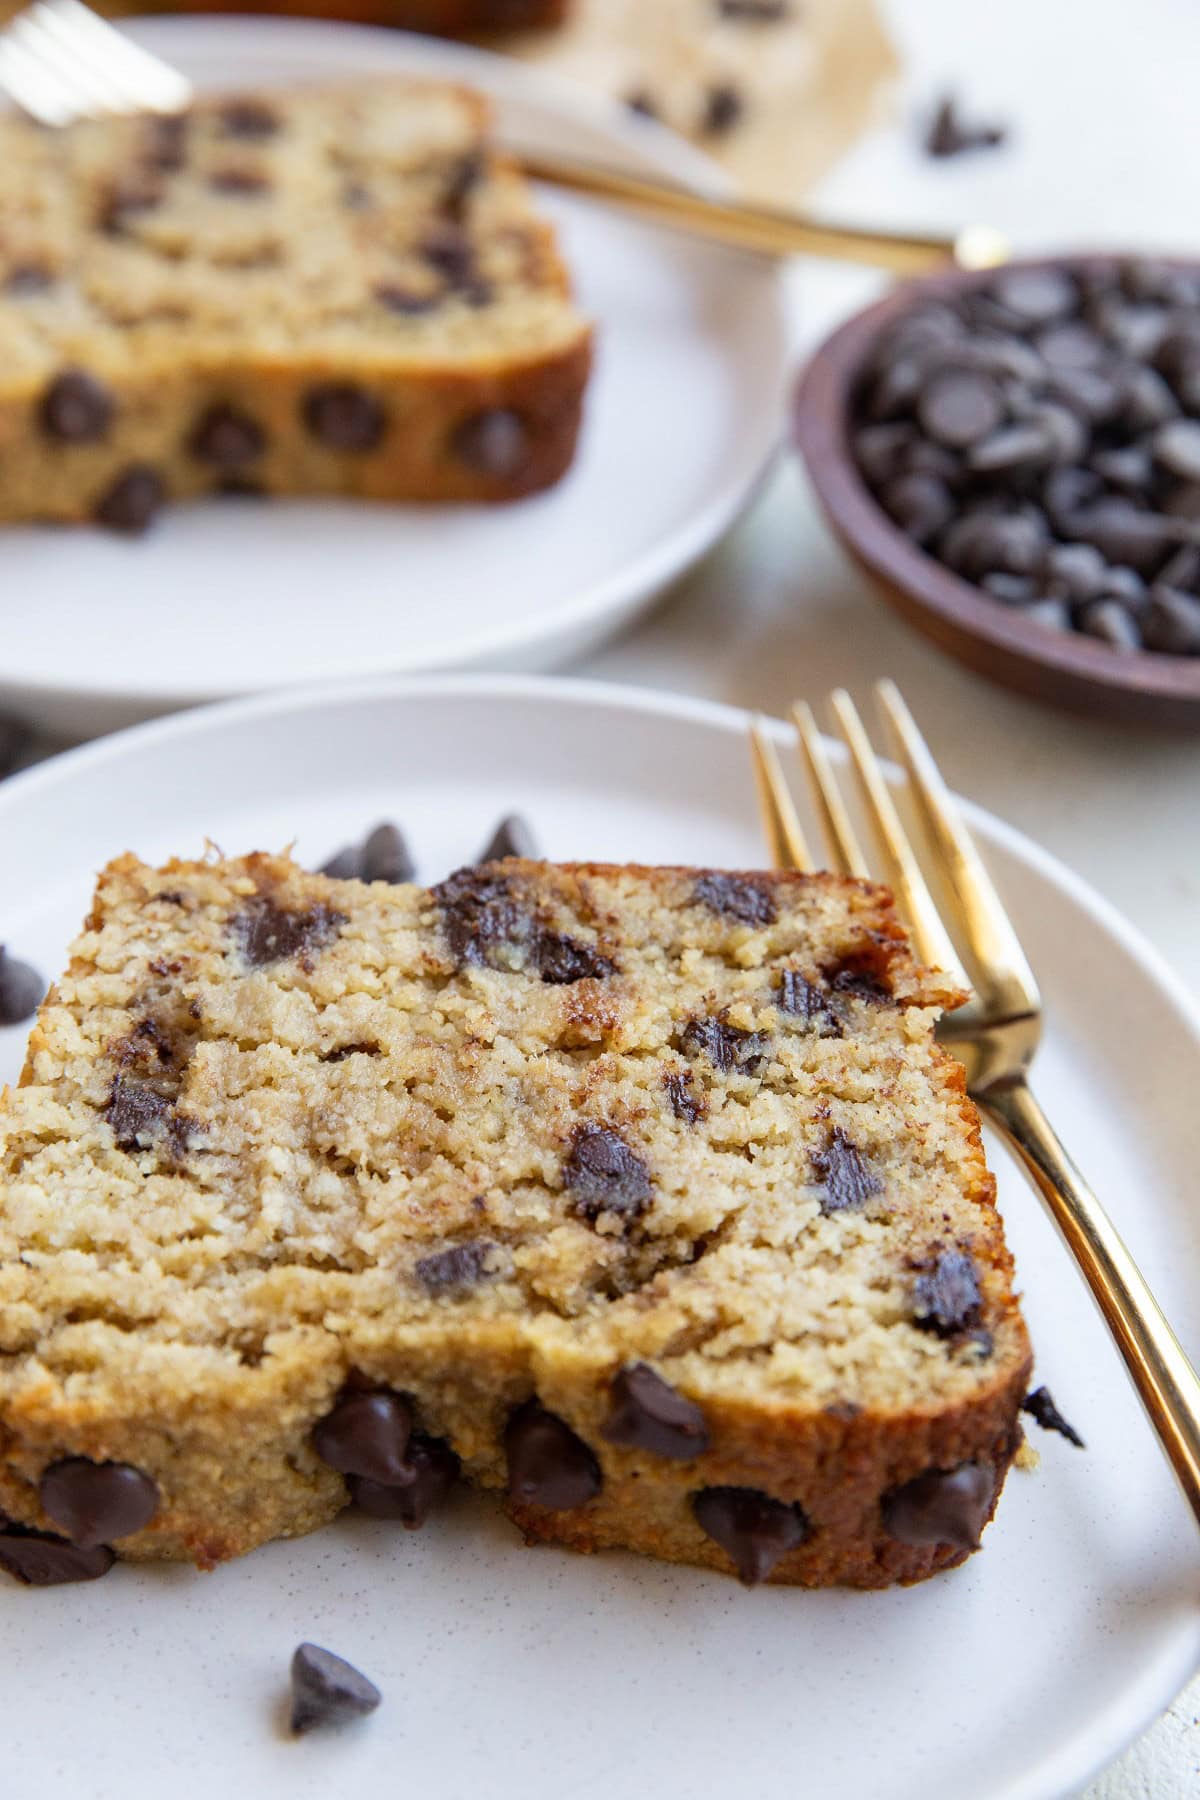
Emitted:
<point x="520" y="1675"/>
<point x="224" y="598"/>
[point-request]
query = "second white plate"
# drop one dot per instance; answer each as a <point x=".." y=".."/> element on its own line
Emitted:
<point x="227" y="598"/>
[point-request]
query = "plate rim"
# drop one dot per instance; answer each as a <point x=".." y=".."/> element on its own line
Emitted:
<point x="1092" y="1747"/>
<point x="587" y="616"/>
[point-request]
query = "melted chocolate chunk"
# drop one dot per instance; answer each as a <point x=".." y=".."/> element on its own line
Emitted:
<point x="605" y="1175"/>
<point x="464" y="176"/>
<point x="849" y="1179"/>
<point x="327" y="1690"/>
<point x="941" y="1507"/>
<point x="76" y="408"/>
<point x="136" y="1113"/>
<point x="726" y="1046"/>
<point x="750" y="1527"/>
<point x="548" y="1465"/>
<point x="133" y="501"/>
<point x="95" y="1502"/>
<point x="648" y="1414"/>
<point x="480" y="915"/>
<point x="406" y="301"/>
<point x="801" y="1000"/>
<point x="344" y="417"/>
<point x="747" y="898"/>
<point x="39" y="1559"/>
<point x="947" y="1297"/>
<point x="26" y="279"/>
<point x="1040" y="1406"/>
<point x="367" y="1433"/>
<point x="432" y="1469"/>
<point x="495" y="443"/>
<point x="859" y="978"/>
<point x="266" y="933"/>
<point x="686" y="1103"/>
<point x="383" y="855"/>
<point x="227" y="438"/>
<point x="462" y="1266"/>
<point x="560" y="960"/>
<point x="246" y="184"/>
<point x="513" y="836"/>
<point x="164" y="143"/>
<point x="21" y="990"/>
<point x="249" y="119"/>
<point x="724" y="107"/>
<point x="141" y="194"/>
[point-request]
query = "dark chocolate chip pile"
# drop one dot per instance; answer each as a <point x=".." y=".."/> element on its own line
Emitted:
<point x="327" y="1690"/>
<point x="1040" y="435"/>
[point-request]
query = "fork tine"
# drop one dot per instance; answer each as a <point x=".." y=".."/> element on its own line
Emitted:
<point x="36" y="90"/>
<point x="904" y="871"/>
<point x="785" y="837"/>
<point x="846" y="853"/>
<point x="145" y="80"/>
<point x="1006" y="981"/>
<point x="82" y="81"/>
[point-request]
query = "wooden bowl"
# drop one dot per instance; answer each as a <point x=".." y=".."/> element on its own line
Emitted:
<point x="1066" y="668"/>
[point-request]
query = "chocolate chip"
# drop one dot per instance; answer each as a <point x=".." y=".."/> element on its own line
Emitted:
<point x="947" y="1297"/>
<point x="15" y="739"/>
<point x="1112" y="624"/>
<point x="726" y="1046"/>
<point x="1055" y="615"/>
<point x="227" y="438"/>
<point x="136" y="1113"/>
<point x="95" y="1502"/>
<point x="26" y="279"/>
<point x="344" y="416"/>
<point x="1071" y="346"/>
<point x="1171" y="622"/>
<point x="1180" y="571"/>
<point x="133" y="501"/>
<point x="405" y="300"/>
<point x="164" y="143"/>
<point x="849" y="1179"/>
<point x="747" y="898"/>
<point x="1074" y="571"/>
<point x="755" y="12"/>
<point x="266" y="933"/>
<point x="76" y="408"/>
<point x="1130" y="468"/>
<point x="983" y="543"/>
<point x="463" y="178"/>
<point x="432" y="1470"/>
<point x="1123" y="534"/>
<point x="383" y="855"/>
<point x="801" y="1000"/>
<point x="1177" y="448"/>
<point x="22" y="990"/>
<point x="143" y="193"/>
<point x="327" y="1690"/>
<point x="1037" y="295"/>
<point x="1025" y="446"/>
<point x="941" y="1507"/>
<point x="548" y="1465"/>
<point x="461" y="1266"/>
<point x="1010" y="590"/>
<point x="959" y="409"/>
<point x="686" y="1104"/>
<point x="724" y="107"/>
<point x="41" y="1560"/>
<point x="950" y="134"/>
<point x="481" y="916"/>
<point x="244" y="183"/>
<point x="604" y="1174"/>
<point x="495" y="442"/>
<point x="366" y="1433"/>
<point x="1040" y="1406"/>
<point x="512" y="837"/>
<point x="560" y="959"/>
<point x="751" y="1527"/>
<point x="448" y="249"/>
<point x="647" y="1413"/>
<point x="883" y="451"/>
<point x="920" y="504"/>
<point x="862" y="978"/>
<point x="249" y="119"/>
<point x="642" y="103"/>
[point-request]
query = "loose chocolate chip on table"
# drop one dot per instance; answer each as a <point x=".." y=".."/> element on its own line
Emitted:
<point x="133" y="501"/>
<point x="686" y="1103"/>
<point x="494" y="442"/>
<point x="266" y="933"/>
<point x="726" y="1046"/>
<point x="95" y="1502"/>
<point x="548" y="1465"/>
<point x="366" y="1433"/>
<point x="724" y="107"/>
<point x="747" y="898"/>
<point x="383" y="855"/>
<point x="849" y="1179"/>
<point x="950" y="134"/>
<point x="604" y="1175"/>
<point x="946" y="1298"/>
<point x="461" y="1266"/>
<point x="344" y="416"/>
<point x="512" y="837"/>
<point x="76" y="408"/>
<point x="22" y="990"/>
<point x="432" y="1469"/>
<point x="1040" y="1406"/>
<point x="1171" y="622"/>
<point x="40" y="1560"/>
<point x="941" y="1507"/>
<point x="750" y="1527"/>
<point x="249" y="119"/>
<point x="327" y="1690"/>
<point x="647" y="1413"/>
<point x="227" y="438"/>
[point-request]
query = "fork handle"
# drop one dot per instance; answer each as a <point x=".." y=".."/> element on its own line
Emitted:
<point x="1161" y="1373"/>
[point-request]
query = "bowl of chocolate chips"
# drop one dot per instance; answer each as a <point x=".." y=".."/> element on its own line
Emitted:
<point x="1015" y="456"/>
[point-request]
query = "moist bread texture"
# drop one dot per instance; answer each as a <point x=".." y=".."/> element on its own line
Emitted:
<point x="644" y="1196"/>
<point x="320" y="291"/>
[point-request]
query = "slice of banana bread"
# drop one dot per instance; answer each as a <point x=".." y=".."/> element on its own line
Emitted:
<point x="644" y="1195"/>
<point x="336" y="291"/>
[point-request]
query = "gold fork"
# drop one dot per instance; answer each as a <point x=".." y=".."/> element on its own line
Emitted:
<point x="996" y="1035"/>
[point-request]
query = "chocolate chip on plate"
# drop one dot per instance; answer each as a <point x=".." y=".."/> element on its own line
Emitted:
<point x="22" y="990"/>
<point x="383" y="855"/>
<point x="76" y="408"/>
<point x="1040" y="1406"/>
<point x="513" y="836"/>
<point x="604" y="1175"/>
<point x="38" y="1559"/>
<point x="941" y="1507"/>
<point x="950" y="134"/>
<point x="548" y="1465"/>
<point x="96" y="1502"/>
<point x="327" y="1690"/>
<point x="366" y="1433"/>
<point x="647" y="1413"/>
<point x="751" y="1527"/>
<point x="431" y="1470"/>
<point x="849" y="1179"/>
